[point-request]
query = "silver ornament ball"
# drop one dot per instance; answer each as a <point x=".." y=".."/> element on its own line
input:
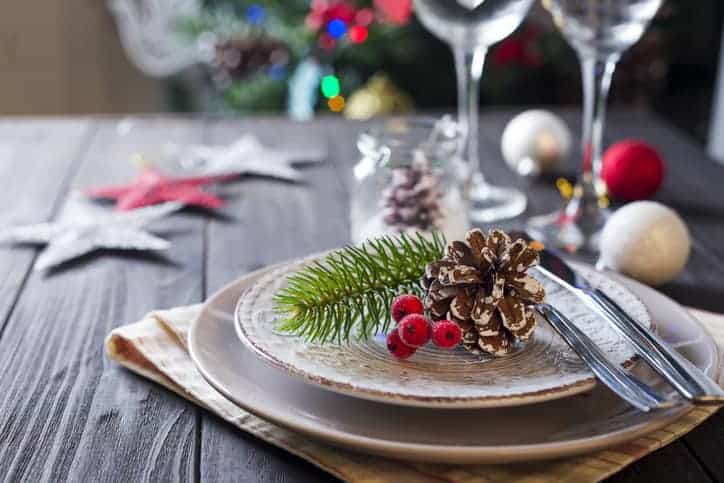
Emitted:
<point x="534" y="142"/>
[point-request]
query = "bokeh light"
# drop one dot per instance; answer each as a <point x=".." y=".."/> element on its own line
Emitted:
<point x="358" y="34"/>
<point x="365" y="16"/>
<point x="330" y="86"/>
<point x="336" y="104"/>
<point x="255" y="14"/>
<point x="336" y="28"/>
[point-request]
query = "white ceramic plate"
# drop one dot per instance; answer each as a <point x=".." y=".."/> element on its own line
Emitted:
<point x="545" y="368"/>
<point x="554" y="429"/>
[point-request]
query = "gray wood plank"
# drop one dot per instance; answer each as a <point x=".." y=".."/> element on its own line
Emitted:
<point x="37" y="159"/>
<point x="270" y="221"/>
<point x="665" y="465"/>
<point x="72" y="414"/>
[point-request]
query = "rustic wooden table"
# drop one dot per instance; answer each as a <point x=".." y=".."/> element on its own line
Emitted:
<point x="67" y="413"/>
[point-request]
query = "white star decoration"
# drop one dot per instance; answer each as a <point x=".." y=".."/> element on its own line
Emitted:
<point x="244" y="156"/>
<point x="84" y="228"/>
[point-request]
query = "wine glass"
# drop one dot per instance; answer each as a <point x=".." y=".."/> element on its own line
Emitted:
<point x="470" y="27"/>
<point x="599" y="31"/>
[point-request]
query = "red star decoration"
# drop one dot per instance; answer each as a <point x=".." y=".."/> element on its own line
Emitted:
<point x="151" y="187"/>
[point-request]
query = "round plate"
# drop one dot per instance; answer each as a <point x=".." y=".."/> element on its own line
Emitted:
<point x="554" y="429"/>
<point x="542" y="369"/>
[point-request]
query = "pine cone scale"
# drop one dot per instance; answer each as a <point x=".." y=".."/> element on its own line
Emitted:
<point x="459" y="275"/>
<point x="463" y="303"/>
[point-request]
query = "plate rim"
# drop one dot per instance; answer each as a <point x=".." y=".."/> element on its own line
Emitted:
<point x="461" y="454"/>
<point x="438" y="402"/>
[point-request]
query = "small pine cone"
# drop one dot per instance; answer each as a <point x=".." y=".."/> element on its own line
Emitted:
<point x="412" y="201"/>
<point x="482" y="284"/>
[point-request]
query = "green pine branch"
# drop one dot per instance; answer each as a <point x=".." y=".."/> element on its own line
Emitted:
<point x="352" y="288"/>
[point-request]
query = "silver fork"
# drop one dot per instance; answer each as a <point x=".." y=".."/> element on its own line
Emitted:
<point x="628" y="387"/>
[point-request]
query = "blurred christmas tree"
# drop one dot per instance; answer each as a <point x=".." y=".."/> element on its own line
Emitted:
<point x="302" y="56"/>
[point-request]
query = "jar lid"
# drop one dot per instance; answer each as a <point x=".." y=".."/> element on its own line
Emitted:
<point x="403" y="141"/>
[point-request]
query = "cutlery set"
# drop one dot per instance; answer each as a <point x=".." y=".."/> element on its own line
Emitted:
<point x="693" y="385"/>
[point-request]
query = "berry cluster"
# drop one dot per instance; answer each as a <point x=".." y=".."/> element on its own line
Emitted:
<point x="413" y="330"/>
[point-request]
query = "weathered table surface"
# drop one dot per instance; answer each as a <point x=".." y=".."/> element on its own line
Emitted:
<point x="68" y="413"/>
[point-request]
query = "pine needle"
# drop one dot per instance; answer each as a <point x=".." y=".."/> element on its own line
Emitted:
<point x="352" y="288"/>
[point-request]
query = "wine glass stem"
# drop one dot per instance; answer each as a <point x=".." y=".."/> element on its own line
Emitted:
<point x="469" y="68"/>
<point x="597" y="74"/>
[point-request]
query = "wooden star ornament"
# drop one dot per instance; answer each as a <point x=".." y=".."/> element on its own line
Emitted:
<point x="152" y="187"/>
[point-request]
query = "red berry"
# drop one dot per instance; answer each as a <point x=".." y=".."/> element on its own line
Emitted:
<point x="405" y="305"/>
<point x="398" y="348"/>
<point x="446" y="334"/>
<point x="414" y="330"/>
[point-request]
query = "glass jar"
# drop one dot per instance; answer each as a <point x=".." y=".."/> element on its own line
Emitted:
<point x="409" y="179"/>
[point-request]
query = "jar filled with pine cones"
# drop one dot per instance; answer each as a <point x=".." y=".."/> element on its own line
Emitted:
<point x="409" y="179"/>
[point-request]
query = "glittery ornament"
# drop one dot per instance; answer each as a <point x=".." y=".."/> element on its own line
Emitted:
<point x="632" y="170"/>
<point x="84" y="228"/>
<point x="647" y="241"/>
<point x="245" y="156"/>
<point x="152" y="187"/>
<point x="379" y="96"/>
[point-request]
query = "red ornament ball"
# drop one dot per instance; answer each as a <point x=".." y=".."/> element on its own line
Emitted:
<point x="446" y="334"/>
<point x="632" y="170"/>
<point x="414" y="330"/>
<point x="405" y="304"/>
<point x="398" y="348"/>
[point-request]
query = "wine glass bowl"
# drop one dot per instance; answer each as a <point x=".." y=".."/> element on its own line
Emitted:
<point x="604" y="27"/>
<point x="599" y="31"/>
<point x="471" y="27"/>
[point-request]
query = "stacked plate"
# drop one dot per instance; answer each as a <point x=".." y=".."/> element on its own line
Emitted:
<point x="439" y="406"/>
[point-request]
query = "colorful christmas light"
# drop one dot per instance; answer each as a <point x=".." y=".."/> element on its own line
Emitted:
<point x="255" y="14"/>
<point x="330" y="86"/>
<point x="336" y="103"/>
<point x="336" y="28"/>
<point x="358" y="34"/>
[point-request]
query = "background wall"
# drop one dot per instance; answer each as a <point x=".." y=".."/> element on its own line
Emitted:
<point x="60" y="56"/>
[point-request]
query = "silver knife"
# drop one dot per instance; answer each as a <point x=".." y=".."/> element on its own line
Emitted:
<point x="686" y="378"/>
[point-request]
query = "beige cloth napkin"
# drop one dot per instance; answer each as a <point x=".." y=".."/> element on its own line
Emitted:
<point x="155" y="347"/>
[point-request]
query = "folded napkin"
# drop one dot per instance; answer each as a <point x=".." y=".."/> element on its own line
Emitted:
<point x="156" y="348"/>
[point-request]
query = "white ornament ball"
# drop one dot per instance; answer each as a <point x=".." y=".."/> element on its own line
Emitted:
<point x="647" y="241"/>
<point x="535" y="142"/>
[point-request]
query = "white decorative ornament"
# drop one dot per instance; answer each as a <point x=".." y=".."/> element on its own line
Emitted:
<point x="535" y="142"/>
<point x="245" y="156"/>
<point x="647" y="241"/>
<point x="84" y="227"/>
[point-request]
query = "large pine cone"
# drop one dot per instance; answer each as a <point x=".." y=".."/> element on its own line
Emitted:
<point x="482" y="285"/>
